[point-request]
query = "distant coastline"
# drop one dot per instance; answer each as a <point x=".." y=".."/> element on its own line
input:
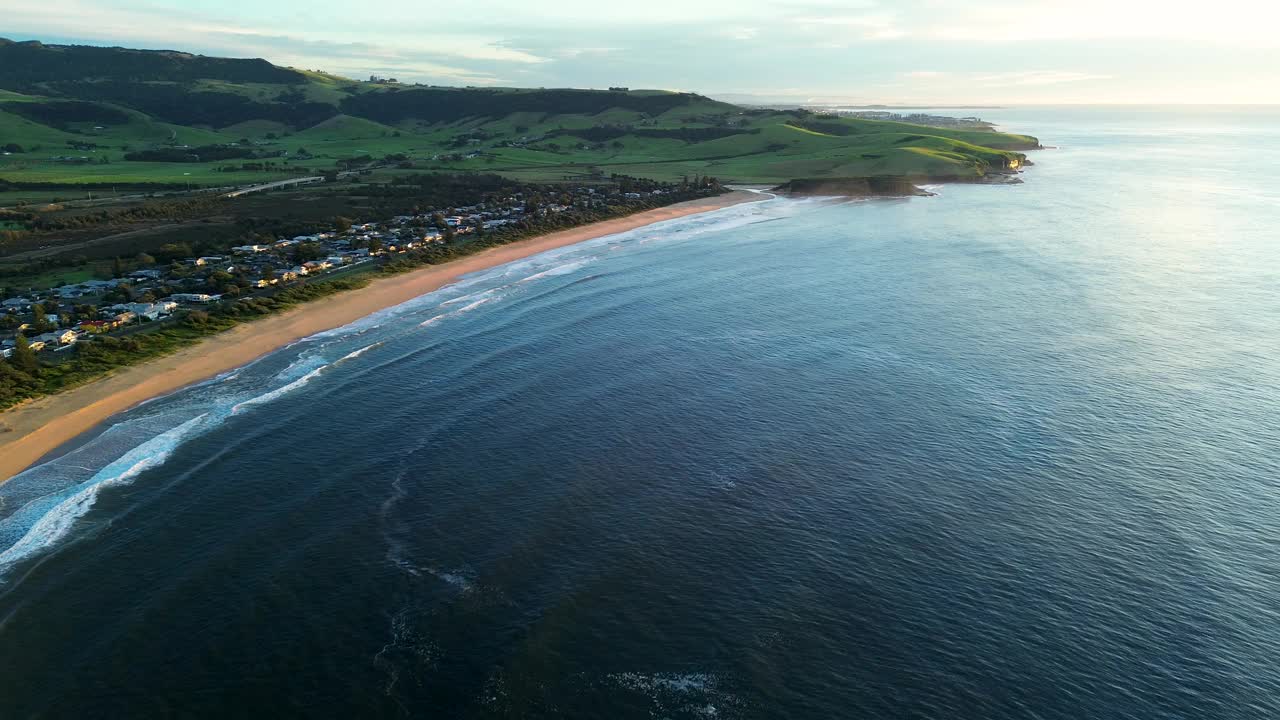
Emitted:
<point x="30" y="431"/>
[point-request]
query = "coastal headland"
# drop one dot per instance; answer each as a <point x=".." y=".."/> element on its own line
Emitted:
<point x="35" y="428"/>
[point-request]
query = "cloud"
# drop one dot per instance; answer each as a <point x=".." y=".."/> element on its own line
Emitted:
<point x="1033" y="77"/>
<point x="741" y="33"/>
<point x="449" y="57"/>
<point x="874" y="50"/>
<point x="841" y="27"/>
<point x="1022" y="21"/>
<point x="1010" y="78"/>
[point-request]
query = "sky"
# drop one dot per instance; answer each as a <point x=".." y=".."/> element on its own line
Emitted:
<point x="923" y="52"/>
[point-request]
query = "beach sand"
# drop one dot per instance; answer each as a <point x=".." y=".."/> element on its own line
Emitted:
<point x="33" y="429"/>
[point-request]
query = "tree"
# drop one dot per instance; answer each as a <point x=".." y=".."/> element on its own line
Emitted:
<point x="40" y="318"/>
<point x="24" y="358"/>
<point x="145" y="259"/>
<point x="117" y="268"/>
<point x="343" y="224"/>
<point x="303" y="252"/>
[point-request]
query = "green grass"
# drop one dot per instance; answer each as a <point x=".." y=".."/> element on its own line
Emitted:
<point x="56" y="278"/>
<point x="773" y="152"/>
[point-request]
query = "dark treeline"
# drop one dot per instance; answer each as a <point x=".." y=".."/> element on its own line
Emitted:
<point x="443" y="105"/>
<point x="604" y="133"/>
<point x="61" y="113"/>
<point x="184" y="105"/>
<point x="203" y="153"/>
<point x="151" y="210"/>
<point x="827" y="127"/>
<point x="7" y="185"/>
<point x="24" y="64"/>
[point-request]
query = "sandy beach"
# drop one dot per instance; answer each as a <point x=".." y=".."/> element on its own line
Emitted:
<point x="33" y="429"/>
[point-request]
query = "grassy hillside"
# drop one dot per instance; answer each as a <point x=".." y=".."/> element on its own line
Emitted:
<point x="81" y="115"/>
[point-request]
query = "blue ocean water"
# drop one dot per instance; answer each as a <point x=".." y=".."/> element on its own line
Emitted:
<point x="1007" y="452"/>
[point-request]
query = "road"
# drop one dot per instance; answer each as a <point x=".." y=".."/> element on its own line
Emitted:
<point x="273" y="185"/>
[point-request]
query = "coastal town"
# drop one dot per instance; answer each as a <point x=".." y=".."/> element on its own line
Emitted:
<point x="53" y="322"/>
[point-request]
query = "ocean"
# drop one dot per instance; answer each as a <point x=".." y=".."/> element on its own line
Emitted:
<point x="1006" y="452"/>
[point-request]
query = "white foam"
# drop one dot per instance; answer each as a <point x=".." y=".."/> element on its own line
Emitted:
<point x="474" y="296"/>
<point x="464" y="309"/>
<point x="57" y="522"/>
<point x="564" y="269"/>
<point x="358" y="353"/>
<point x="278" y="392"/>
<point x="455" y="579"/>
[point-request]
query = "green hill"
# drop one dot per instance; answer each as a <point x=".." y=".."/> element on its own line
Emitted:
<point x="77" y="115"/>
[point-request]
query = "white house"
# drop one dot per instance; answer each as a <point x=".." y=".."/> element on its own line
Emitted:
<point x="152" y="311"/>
<point x="200" y="298"/>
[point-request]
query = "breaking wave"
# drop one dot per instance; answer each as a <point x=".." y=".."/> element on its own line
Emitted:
<point x="41" y="506"/>
<point x="55" y="522"/>
<point x="278" y="392"/>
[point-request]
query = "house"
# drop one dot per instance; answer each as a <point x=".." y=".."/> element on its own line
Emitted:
<point x="147" y="274"/>
<point x="200" y="298"/>
<point x="202" y="261"/>
<point x="249" y="249"/>
<point x="125" y="318"/>
<point x="153" y="311"/>
<point x="67" y="337"/>
<point x="285" y="275"/>
<point x="263" y="282"/>
<point x="97" y="326"/>
<point x="18" y="303"/>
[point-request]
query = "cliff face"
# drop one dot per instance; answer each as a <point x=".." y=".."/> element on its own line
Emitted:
<point x="852" y="187"/>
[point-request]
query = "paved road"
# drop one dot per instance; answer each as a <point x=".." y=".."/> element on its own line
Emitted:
<point x="276" y="184"/>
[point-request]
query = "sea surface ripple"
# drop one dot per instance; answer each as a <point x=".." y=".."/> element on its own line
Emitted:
<point x="1008" y="452"/>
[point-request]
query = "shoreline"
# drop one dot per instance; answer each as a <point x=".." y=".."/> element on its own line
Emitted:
<point x="32" y="430"/>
